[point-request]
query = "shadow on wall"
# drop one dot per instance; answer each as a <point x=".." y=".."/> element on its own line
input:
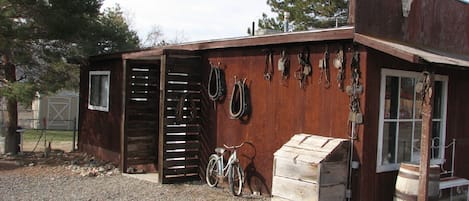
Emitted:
<point x="255" y="181"/>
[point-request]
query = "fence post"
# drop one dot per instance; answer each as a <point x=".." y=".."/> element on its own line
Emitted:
<point x="74" y="133"/>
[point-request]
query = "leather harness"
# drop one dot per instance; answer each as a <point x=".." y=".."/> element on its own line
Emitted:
<point x="216" y="83"/>
<point x="239" y="102"/>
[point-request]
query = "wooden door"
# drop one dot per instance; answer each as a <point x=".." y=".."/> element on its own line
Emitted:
<point x="142" y="113"/>
<point x="180" y="122"/>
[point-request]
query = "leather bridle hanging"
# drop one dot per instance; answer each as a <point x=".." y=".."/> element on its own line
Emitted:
<point x="269" y="64"/>
<point x="284" y="65"/>
<point x="324" y="68"/>
<point x="305" y="68"/>
<point x="339" y="64"/>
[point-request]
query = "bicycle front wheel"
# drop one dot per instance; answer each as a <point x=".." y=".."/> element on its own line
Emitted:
<point x="235" y="179"/>
<point x="211" y="174"/>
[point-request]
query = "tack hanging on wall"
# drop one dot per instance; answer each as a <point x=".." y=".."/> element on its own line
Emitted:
<point x="216" y="83"/>
<point x="339" y="63"/>
<point x="324" y="69"/>
<point x="240" y="102"/>
<point x="186" y="102"/>
<point x="269" y="64"/>
<point x="354" y="90"/>
<point x="283" y="65"/>
<point x="305" y="69"/>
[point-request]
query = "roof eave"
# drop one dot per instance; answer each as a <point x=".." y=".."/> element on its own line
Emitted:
<point x="342" y="33"/>
<point x="409" y="53"/>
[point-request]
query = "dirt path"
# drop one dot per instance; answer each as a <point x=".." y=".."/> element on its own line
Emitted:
<point x="78" y="176"/>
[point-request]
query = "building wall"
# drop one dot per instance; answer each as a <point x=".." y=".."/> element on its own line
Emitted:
<point x="380" y="186"/>
<point x="280" y="109"/>
<point x="100" y="131"/>
<point x="458" y="114"/>
<point x="436" y="24"/>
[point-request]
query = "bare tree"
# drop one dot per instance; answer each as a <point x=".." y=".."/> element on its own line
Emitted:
<point x="156" y="38"/>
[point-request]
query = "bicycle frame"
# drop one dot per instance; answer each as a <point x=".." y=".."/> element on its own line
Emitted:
<point x="222" y="171"/>
<point x="217" y="169"/>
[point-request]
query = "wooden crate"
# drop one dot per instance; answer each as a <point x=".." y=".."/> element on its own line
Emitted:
<point x="311" y="167"/>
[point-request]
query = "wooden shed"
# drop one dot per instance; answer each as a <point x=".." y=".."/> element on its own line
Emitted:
<point x="384" y="55"/>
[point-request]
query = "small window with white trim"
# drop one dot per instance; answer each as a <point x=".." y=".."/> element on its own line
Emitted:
<point x="98" y="98"/>
<point x="400" y="119"/>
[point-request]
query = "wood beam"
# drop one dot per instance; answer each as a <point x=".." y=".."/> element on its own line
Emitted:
<point x="161" y="119"/>
<point x="426" y="135"/>
<point x="123" y="118"/>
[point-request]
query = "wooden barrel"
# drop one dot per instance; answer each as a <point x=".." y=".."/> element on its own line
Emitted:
<point x="407" y="183"/>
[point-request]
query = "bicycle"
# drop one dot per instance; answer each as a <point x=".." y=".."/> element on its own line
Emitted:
<point x="217" y="169"/>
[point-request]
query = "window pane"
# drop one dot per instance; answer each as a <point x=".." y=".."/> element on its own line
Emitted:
<point x="436" y="139"/>
<point x="437" y="100"/>
<point x="406" y="98"/>
<point x="389" y="143"/>
<point x="95" y="90"/>
<point x="416" y="142"/>
<point x="405" y="142"/>
<point x="418" y="106"/>
<point x="104" y="90"/>
<point x="391" y="97"/>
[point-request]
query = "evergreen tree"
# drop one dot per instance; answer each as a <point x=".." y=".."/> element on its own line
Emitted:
<point x="305" y="14"/>
<point x="41" y="43"/>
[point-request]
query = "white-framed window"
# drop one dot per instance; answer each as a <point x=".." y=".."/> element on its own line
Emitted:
<point x="98" y="97"/>
<point x="400" y="119"/>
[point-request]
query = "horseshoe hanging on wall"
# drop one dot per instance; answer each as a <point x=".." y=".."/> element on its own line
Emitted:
<point x="192" y="107"/>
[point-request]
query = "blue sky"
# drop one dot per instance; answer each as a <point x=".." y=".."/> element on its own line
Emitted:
<point x="194" y="20"/>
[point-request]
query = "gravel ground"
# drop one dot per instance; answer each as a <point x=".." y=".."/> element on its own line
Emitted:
<point x="51" y="180"/>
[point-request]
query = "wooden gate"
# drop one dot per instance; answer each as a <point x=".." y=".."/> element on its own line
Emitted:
<point x="179" y="150"/>
<point x="142" y="109"/>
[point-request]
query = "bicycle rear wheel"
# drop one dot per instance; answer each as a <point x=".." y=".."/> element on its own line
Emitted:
<point x="235" y="179"/>
<point x="211" y="174"/>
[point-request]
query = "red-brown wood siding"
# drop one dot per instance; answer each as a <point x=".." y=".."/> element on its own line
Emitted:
<point x="380" y="186"/>
<point x="457" y="125"/>
<point x="100" y="131"/>
<point x="279" y="110"/>
<point x="441" y="25"/>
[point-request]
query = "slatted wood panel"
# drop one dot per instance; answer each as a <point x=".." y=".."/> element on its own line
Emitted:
<point x="142" y="109"/>
<point x="181" y="144"/>
<point x="208" y="121"/>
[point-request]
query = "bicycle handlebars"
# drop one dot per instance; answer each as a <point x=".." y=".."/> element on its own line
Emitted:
<point x="234" y="146"/>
